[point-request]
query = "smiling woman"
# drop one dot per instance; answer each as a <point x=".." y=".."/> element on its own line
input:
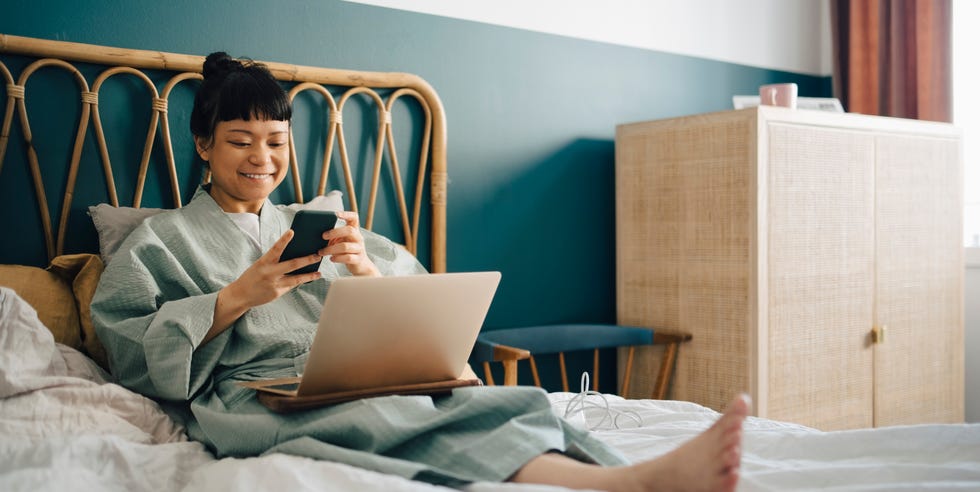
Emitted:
<point x="240" y="123"/>
<point x="247" y="159"/>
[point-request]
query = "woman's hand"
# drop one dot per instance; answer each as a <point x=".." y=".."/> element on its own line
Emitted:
<point x="263" y="282"/>
<point x="346" y="246"/>
<point x="267" y="280"/>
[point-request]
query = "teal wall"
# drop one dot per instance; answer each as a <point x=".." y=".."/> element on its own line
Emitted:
<point x="531" y="118"/>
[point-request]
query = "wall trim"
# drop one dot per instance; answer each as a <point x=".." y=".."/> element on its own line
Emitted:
<point x="785" y="35"/>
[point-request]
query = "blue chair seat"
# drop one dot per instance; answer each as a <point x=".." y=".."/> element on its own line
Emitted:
<point x="510" y="345"/>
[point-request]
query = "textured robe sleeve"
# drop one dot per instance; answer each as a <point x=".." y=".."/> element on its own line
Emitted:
<point x="151" y="315"/>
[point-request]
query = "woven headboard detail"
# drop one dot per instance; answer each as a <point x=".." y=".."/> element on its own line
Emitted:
<point x="371" y="95"/>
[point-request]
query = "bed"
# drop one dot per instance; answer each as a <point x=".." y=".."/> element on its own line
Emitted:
<point x="92" y="140"/>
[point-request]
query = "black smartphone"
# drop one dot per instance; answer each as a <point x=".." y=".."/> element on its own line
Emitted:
<point x="308" y="228"/>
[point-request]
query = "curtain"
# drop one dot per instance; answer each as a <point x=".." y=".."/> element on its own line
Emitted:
<point x="893" y="57"/>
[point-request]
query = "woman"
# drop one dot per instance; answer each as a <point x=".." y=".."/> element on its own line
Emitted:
<point x="197" y="300"/>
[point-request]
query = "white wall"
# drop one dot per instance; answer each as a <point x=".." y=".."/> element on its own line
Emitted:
<point x="788" y="35"/>
<point x="966" y="77"/>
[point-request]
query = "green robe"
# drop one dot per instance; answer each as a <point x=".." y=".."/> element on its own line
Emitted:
<point x="155" y="303"/>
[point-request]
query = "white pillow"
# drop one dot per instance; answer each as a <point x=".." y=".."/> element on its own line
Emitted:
<point x="333" y="201"/>
<point x="113" y="224"/>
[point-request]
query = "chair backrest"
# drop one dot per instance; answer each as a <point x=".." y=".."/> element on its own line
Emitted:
<point x="508" y="346"/>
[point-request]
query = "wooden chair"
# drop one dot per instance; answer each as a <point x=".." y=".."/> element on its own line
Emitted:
<point x="508" y="346"/>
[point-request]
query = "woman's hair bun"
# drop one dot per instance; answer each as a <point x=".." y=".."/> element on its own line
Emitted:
<point x="236" y="89"/>
<point x="219" y="64"/>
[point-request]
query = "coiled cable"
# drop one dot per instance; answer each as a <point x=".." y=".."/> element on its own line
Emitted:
<point x="581" y="402"/>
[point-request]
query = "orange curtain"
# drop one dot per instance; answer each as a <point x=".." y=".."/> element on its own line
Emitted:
<point x="893" y="57"/>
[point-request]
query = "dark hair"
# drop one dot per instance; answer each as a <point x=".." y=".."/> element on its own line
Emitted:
<point x="234" y="89"/>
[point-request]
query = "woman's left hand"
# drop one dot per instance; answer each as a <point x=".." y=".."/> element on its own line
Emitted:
<point x="346" y="246"/>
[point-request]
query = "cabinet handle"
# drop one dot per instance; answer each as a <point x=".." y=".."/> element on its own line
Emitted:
<point x="878" y="334"/>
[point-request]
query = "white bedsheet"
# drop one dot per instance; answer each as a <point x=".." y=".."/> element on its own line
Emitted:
<point x="64" y="427"/>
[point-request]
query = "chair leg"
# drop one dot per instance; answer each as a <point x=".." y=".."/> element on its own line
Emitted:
<point x="510" y="372"/>
<point x="488" y="374"/>
<point x="628" y="372"/>
<point x="666" y="368"/>
<point x="564" y="374"/>
<point x="595" y="370"/>
<point x="534" y="372"/>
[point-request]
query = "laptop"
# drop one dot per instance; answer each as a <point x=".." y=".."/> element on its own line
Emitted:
<point x="388" y="335"/>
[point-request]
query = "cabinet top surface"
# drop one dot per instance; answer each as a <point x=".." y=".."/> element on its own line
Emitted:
<point x="770" y="114"/>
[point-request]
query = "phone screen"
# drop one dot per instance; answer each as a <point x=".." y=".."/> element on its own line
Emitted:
<point x="308" y="228"/>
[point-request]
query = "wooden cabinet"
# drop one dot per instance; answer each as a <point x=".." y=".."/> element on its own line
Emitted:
<point x="816" y="258"/>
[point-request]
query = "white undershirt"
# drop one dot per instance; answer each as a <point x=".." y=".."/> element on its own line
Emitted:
<point x="249" y="223"/>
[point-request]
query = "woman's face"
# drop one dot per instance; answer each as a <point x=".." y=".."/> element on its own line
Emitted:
<point x="248" y="160"/>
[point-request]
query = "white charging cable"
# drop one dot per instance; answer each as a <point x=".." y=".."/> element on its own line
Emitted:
<point x="580" y="403"/>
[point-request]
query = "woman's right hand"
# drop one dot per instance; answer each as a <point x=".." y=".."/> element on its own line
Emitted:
<point x="263" y="282"/>
<point x="267" y="279"/>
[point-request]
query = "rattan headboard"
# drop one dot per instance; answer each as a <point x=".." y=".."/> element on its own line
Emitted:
<point x="153" y="78"/>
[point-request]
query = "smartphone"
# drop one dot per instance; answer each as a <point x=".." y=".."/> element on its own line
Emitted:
<point x="308" y="228"/>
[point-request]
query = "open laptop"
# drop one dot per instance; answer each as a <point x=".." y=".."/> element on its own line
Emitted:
<point x="388" y="335"/>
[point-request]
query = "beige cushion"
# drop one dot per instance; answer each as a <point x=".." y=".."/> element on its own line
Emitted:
<point x="62" y="296"/>
<point x="84" y="271"/>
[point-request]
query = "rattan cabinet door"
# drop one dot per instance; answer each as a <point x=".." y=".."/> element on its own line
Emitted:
<point x="821" y="272"/>
<point x="919" y="362"/>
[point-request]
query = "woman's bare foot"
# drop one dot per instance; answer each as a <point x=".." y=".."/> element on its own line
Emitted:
<point x="709" y="462"/>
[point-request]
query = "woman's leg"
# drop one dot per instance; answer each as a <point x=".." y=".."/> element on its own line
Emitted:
<point x="708" y="462"/>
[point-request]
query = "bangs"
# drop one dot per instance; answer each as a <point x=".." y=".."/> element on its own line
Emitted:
<point x="246" y="97"/>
